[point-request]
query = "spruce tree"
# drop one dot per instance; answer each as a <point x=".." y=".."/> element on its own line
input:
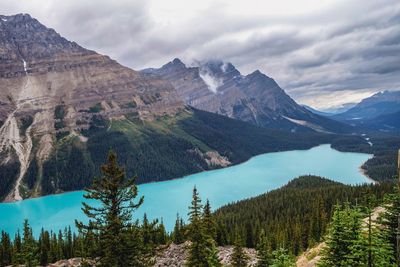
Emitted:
<point x="239" y="256"/>
<point x="6" y="249"/>
<point x="281" y="258"/>
<point x="199" y="250"/>
<point x="29" y="246"/>
<point x="344" y="231"/>
<point x="17" y="250"/>
<point x="213" y="258"/>
<point x="391" y="215"/>
<point x="110" y="218"/>
<point x="208" y="220"/>
<point x="373" y="247"/>
<point x="263" y="251"/>
<point x="44" y="247"/>
<point x="177" y="234"/>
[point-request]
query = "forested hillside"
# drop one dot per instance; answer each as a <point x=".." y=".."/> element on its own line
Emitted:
<point x="295" y="216"/>
<point x="165" y="148"/>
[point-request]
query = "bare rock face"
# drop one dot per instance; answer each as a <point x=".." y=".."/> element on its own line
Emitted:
<point x="218" y="87"/>
<point x="50" y="85"/>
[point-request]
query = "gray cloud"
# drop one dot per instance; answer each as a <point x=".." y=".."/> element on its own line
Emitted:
<point x="347" y="46"/>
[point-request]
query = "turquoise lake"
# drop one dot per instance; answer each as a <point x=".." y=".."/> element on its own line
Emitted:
<point x="165" y="199"/>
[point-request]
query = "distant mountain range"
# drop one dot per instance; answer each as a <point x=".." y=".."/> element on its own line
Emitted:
<point x="62" y="107"/>
<point x="218" y="87"/>
<point x="378" y="112"/>
<point x="379" y="104"/>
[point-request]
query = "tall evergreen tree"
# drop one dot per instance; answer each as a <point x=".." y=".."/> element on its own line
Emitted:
<point x="6" y="249"/>
<point x="17" y="250"/>
<point x="177" y="234"/>
<point x="281" y="258"/>
<point x="200" y="249"/>
<point x="29" y="246"/>
<point x="111" y="217"/>
<point x="263" y="251"/>
<point x="209" y="222"/>
<point x="391" y="215"/>
<point x="239" y="256"/>
<point x="344" y="231"/>
<point x="44" y="247"/>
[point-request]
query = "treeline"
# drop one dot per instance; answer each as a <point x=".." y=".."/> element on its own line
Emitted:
<point x="383" y="166"/>
<point x="295" y="216"/>
<point x="160" y="150"/>
<point x="50" y="247"/>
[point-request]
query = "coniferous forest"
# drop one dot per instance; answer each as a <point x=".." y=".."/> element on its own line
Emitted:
<point x="279" y="225"/>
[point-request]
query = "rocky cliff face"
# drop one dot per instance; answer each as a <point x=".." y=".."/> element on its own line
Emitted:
<point x="50" y="86"/>
<point x="218" y="87"/>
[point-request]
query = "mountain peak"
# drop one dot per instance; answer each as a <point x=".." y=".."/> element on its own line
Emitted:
<point x="176" y="63"/>
<point x="219" y="68"/>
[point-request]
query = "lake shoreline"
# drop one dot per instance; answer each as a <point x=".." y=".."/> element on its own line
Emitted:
<point x="361" y="170"/>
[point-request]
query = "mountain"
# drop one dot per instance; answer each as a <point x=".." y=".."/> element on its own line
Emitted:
<point x="385" y="123"/>
<point x="379" y="104"/>
<point x="62" y="107"/>
<point x="52" y="87"/>
<point x="318" y="112"/>
<point x="218" y="87"/>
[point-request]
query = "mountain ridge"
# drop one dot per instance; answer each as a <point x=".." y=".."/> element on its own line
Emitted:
<point x="218" y="87"/>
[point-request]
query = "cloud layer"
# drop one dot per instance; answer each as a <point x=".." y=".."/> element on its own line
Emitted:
<point x="323" y="53"/>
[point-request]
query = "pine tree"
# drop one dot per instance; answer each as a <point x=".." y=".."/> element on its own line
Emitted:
<point x="263" y="251"/>
<point x="208" y="220"/>
<point x="199" y="250"/>
<point x="111" y="219"/>
<point x="29" y="246"/>
<point x="6" y="249"/>
<point x="177" y="234"/>
<point x="213" y="258"/>
<point x="390" y="217"/>
<point x="53" y="253"/>
<point x="239" y="257"/>
<point x="162" y="237"/>
<point x="44" y="247"/>
<point x="373" y="247"/>
<point x="281" y="258"/>
<point x="344" y="231"/>
<point x="17" y="250"/>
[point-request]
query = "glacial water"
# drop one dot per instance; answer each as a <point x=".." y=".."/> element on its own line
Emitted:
<point x="165" y="199"/>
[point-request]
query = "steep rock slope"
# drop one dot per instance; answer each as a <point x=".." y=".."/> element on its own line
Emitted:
<point x="51" y="86"/>
<point x="219" y="87"/>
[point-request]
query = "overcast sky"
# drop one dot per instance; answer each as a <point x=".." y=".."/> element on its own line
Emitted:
<point x="321" y="52"/>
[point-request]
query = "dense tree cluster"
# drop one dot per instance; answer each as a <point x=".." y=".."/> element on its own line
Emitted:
<point x="295" y="216"/>
<point x="351" y="242"/>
